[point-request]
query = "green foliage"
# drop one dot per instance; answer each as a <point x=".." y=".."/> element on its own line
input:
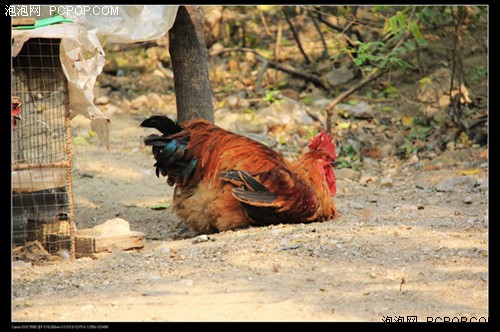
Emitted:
<point x="272" y="95"/>
<point x="347" y="156"/>
<point x="408" y="148"/>
<point x="478" y="74"/>
<point x="80" y="140"/>
<point x="419" y="132"/>
<point x="162" y="206"/>
<point x="308" y="101"/>
<point x="391" y="91"/>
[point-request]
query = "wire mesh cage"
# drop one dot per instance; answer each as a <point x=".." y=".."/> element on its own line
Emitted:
<point x="42" y="195"/>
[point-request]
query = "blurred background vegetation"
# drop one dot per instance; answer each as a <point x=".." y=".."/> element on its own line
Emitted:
<point x="409" y="82"/>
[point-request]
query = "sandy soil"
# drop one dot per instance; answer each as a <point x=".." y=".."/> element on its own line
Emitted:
<point x="399" y="249"/>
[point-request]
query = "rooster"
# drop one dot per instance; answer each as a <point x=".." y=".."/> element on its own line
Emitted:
<point x="16" y="110"/>
<point x="226" y="181"/>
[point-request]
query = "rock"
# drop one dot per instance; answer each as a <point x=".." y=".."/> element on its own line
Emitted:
<point x="484" y="277"/>
<point x="387" y="150"/>
<point x="159" y="73"/>
<point x="470" y="220"/>
<point x="84" y="259"/>
<point x="356" y="205"/>
<point x="186" y="282"/>
<point x="386" y="182"/>
<point x="112" y="227"/>
<point x="459" y="183"/>
<point x="139" y="102"/>
<point x="348" y="173"/>
<point x="322" y="102"/>
<point x="406" y="208"/>
<point x="426" y="250"/>
<point x="162" y="250"/>
<point x="242" y="123"/>
<point x="361" y="110"/>
<point x="102" y="100"/>
<point x="467" y="200"/>
<point x="290" y="93"/>
<point x="201" y="238"/>
<point x="237" y="100"/>
<point x="483" y="185"/>
<point x="287" y="111"/>
<point x="338" y="76"/>
<point x="17" y="265"/>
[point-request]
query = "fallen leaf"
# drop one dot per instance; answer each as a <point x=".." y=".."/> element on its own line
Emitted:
<point x="464" y="138"/>
<point x="431" y="168"/>
<point x="484" y="154"/>
<point x="162" y="206"/>
<point x="373" y="153"/>
<point x="343" y="125"/>
<point x="407" y="120"/>
<point x="470" y="171"/>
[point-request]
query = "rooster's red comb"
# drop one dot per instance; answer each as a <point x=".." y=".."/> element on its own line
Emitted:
<point x="324" y="142"/>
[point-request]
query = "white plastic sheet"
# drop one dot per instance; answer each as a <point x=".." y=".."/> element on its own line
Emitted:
<point x="130" y="24"/>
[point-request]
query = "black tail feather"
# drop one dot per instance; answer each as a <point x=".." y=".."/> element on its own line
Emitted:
<point x="163" y="124"/>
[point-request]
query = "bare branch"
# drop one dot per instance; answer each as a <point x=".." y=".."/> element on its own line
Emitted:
<point x="296" y="36"/>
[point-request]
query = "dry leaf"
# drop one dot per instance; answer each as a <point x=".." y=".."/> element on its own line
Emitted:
<point x="484" y="154"/>
<point x="432" y="168"/>
<point x="407" y="120"/>
<point x="343" y="125"/>
<point x="464" y="138"/>
<point x="470" y="171"/>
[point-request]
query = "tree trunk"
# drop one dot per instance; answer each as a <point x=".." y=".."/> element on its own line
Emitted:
<point x="188" y="54"/>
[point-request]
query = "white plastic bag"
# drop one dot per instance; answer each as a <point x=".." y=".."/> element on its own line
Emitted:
<point x="129" y="24"/>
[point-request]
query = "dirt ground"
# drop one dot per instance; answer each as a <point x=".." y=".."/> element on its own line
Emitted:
<point x="398" y="250"/>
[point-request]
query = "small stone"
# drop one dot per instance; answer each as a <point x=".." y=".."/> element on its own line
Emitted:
<point x="356" y="205"/>
<point x="406" y="207"/>
<point x="16" y="265"/>
<point x="201" y="238"/>
<point x="426" y="250"/>
<point x="484" y="277"/>
<point x="84" y="259"/>
<point x="162" y="249"/>
<point x="139" y="102"/>
<point x="471" y="220"/>
<point x="338" y="76"/>
<point x="459" y="183"/>
<point x="483" y="185"/>
<point x="468" y="200"/>
<point x="102" y="100"/>
<point x="348" y="173"/>
<point x="361" y="110"/>
<point x="186" y="282"/>
<point x="321" y="102"/>
<point x="386" y="182"/>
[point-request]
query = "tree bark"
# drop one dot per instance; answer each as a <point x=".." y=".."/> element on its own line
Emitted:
<point x="188" y="53"/>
